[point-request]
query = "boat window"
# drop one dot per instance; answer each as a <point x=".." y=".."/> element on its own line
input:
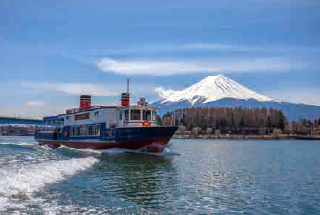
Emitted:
<point x="146" y="115"/>
<point x="58" y="129"/>
<point x="135" y="114"/>
<point x="77" y="131"/>
<point x="154" y="114"/>
<point x="90" y="130"/>
<point x="72" y="131"/>
<point x="126" y="115"/>
<point x="120" y="115"/>
<point x="97" y="130"/>
<point x="83" y="131"/>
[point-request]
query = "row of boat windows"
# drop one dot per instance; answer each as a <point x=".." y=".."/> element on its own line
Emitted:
<point x="60" y="121"/>
<point x="85" y="130"/>
<point x="136" y="115"/>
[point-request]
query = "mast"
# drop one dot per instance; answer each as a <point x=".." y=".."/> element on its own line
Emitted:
<point x="128" y="84"/>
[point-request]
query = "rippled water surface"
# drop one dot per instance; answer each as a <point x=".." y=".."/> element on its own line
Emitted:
<point x="194" y="177"/>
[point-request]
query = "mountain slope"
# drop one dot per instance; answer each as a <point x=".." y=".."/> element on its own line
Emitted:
<point x="214" y="88"/>
<point x="220" y="91"/>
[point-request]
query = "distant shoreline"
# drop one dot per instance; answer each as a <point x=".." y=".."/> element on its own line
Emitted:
<point x="16" y="135"/>
<point x="249" y="137"/>
<point x="225" y="137"/>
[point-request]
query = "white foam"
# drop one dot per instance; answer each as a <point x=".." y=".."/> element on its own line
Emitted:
<point x="90" y="151"/>
<point x="34" y="177"/>
<point x="114" y="151"/>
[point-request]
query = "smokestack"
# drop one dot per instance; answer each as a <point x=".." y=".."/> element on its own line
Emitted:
<point x="125" y="97"/>
<point x="85" y="101"/>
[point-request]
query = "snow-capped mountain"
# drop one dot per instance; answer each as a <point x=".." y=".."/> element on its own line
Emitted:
<point x="221" y="91"/>
<point x="214" y="88"/>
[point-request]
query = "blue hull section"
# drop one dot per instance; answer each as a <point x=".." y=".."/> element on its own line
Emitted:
<point x="122" y="134"/>
<point x="151" y="139"/>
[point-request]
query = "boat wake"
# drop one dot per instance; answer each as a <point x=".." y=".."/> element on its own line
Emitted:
<point x="32" y="178"/>
<point x="81" y="151"/>
<point x="116" y="151"/>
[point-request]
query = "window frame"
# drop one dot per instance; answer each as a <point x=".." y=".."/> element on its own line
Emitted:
<point x="145" y="115"/>
<point x="135" y="114"/>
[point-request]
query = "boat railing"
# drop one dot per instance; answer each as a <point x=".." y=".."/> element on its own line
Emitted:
<point x="81" y="109"/>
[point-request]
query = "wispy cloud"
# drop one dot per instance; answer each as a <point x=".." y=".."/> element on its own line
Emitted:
<point x="74" y="88"/>
<point x="162" y="68"/>
<point x="36" y="103"/>
<point x="169" y="49"/>
<point x="94" y="89"/>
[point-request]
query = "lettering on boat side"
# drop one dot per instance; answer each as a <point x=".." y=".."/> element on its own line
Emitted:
<point x="82" y="116"/>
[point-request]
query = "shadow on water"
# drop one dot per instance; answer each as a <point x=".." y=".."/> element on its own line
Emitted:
<point x="143" y="179"/>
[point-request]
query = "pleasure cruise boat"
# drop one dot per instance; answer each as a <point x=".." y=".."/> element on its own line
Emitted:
<point x="103" y="127"/>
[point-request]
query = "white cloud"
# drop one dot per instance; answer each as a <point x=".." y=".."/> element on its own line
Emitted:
<point x="74" y="88"/>
<point x="36" y="103"/>
<point x="92" y="89"/>
<point x="164" y="93"/>
<point x="162" y="68"/>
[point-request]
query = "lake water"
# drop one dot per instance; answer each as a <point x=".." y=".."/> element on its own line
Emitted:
<point x="207" y="177"/>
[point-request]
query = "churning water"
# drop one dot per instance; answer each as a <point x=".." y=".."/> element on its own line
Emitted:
<point x="208" y="177"/>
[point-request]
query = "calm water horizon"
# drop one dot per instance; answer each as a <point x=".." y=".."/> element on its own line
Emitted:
<point x="194" y="177"/>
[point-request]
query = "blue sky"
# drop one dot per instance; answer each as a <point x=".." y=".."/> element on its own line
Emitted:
<point x="51" y="51"/>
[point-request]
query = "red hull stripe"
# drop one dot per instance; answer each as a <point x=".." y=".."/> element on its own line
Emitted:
<point x="135" y="144"/>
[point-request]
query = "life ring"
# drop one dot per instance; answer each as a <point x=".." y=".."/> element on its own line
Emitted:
<point x="146" y="123"/>
<point x="66" y="133"/>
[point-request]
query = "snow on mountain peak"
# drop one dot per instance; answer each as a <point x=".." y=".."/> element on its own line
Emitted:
<point x="210" y="89"/>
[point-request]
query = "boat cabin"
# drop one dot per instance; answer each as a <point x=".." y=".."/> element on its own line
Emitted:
<point x="126" y="115"/>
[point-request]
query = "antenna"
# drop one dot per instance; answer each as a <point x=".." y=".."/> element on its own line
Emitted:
<point x="128" y="83"/>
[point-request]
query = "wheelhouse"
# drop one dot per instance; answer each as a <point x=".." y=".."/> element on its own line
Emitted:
<point x="137" y="116"/>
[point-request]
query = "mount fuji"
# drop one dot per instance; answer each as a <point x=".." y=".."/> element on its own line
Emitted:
<point x="221" y="91"/>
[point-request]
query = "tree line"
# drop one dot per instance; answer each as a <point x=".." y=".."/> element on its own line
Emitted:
<point x="305" y="127"/>
<point x="226" y="118"/>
